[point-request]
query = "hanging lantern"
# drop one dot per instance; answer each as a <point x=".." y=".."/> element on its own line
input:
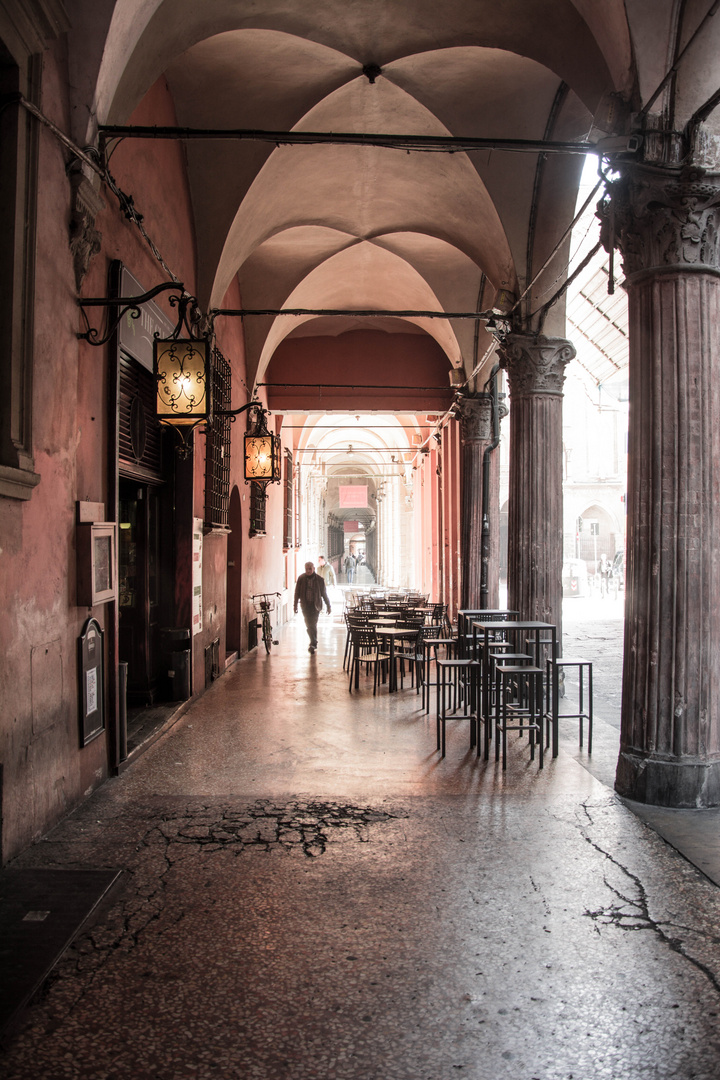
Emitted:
<point x="181" y="370"/>
<point x="262" y="453"/>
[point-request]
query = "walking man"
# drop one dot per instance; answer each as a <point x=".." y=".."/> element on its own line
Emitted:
<point x="326" y="572"/>
<point x="310" y="593"/>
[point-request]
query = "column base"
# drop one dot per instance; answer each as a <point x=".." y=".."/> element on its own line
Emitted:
<point x="689" y="785"/>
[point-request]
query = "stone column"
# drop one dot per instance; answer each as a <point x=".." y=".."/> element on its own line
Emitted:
<point x="535" y="368"/>
<point x="476" y="434"/>
<point x="668" y="228"/>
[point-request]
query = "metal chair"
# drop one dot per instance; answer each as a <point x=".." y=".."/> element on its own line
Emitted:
<point x="365" y="649"/>
<point x="353" y="620"/>
<point x="412" y="649"/>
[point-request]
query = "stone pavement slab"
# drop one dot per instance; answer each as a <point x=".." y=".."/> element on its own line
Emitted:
<point x="310" y="892"/>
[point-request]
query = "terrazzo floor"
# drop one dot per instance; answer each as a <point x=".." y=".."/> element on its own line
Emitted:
<point x="309" y="892"/>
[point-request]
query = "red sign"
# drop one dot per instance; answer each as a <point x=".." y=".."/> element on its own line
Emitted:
<point x="353" y="495"/>
<point x="351" y="526"/>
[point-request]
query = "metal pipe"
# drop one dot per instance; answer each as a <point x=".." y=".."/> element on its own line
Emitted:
<point x="485" y="505"/>
<point x="122" y="717"/>
<point x="447" y="144"/>
<point x="671" y="71"/>
<point x="360" y="313"/>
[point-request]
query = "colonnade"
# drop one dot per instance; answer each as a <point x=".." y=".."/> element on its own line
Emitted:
<point x="666" y="223"/>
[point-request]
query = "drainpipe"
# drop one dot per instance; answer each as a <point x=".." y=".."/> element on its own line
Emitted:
<point x="485" y="536"/>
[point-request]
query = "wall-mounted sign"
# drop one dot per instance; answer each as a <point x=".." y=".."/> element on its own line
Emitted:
<point x="353" y="495"/>
<point x="92" y="681"/>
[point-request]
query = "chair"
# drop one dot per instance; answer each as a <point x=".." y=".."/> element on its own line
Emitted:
<point x="365" y="650"/>
<point x="412" y="649"/>
<point x="353" y="620"/>
<point x="439" y="614"/>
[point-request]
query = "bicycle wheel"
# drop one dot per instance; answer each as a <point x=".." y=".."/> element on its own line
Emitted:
<point x="267" y="631"/>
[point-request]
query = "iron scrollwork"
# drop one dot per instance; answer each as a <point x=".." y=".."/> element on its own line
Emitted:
<point x="118" y="307"/>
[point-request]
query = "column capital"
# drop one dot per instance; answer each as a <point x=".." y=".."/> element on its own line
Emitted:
<point x="663" y="220"/>
<point x="535" y="364"/>
<point x="475" y="419"/>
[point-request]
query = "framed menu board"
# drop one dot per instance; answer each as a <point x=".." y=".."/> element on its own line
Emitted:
<point x="92" y="681"/>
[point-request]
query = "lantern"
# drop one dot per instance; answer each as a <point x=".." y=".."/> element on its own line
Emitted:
<point x="262" y="453"/>
<point x="181" y="370"/>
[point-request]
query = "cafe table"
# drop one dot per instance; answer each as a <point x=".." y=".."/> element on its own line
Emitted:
<point x="465" y="617"/>
<point x="483" y="640"/>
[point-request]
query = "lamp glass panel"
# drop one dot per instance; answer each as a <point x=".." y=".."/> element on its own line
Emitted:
<point x="259" y="457"/>
<point x="182" y="386"/>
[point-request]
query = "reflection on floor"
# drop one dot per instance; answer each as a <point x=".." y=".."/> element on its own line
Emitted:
<point x="312" y="892"/>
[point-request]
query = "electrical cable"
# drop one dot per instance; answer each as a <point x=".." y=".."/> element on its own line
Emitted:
<point x="88" y="158"/>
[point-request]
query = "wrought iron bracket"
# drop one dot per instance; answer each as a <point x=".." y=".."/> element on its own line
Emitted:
<point x="118" y="307"/>
<point x="234" y="413"/>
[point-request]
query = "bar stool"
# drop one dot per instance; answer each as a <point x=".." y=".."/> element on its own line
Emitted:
<point x="519" y="695"/>
<point x="582" y="714"/>
<point x="447" y="674"/>
<point x="430" y="652"/>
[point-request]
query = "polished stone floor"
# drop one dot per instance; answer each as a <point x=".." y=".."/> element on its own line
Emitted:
<point x="310" y="892"/>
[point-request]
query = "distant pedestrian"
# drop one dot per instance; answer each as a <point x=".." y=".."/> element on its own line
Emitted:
<point x="350" y="567"/>
<point x="326" y="572"/>
<point x="310" y="593"/>
<point x="603" y="570"/>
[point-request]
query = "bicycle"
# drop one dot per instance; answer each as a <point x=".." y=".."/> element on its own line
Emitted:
<point x="264" y="604"/>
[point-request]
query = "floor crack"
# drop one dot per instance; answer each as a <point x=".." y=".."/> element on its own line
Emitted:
<point x="639" y="917"/>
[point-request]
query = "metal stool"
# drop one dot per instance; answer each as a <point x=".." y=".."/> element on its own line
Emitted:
<point x="519" y="695"/>
<point x="582" y="714"/>
<point x="430" y="653"/>
<point x="447" y="673"/>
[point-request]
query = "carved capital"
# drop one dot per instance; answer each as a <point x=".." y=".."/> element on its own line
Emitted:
<point x="661" y="220"/>
<point x="475" y="419"/>
<point x="535" y="364"/>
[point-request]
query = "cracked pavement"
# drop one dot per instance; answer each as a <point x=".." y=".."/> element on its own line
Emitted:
<point x="309" y="892"/>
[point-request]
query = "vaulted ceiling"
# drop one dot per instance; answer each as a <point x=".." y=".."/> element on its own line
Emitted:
<point x="329" y="226"/>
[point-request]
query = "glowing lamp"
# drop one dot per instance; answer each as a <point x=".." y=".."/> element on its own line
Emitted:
<point x="262" y="453"/>
<point x="181" y="370"/>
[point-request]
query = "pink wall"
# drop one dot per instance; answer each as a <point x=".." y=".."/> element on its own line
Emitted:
<point x="45" y="772"/>
<point x="360" y="358"/>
